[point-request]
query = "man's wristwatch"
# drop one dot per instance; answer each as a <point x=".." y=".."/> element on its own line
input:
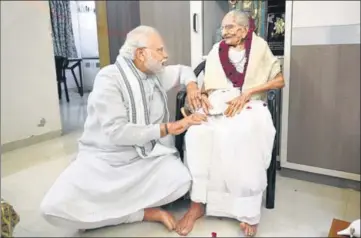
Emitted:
<point x="166" y="129"/>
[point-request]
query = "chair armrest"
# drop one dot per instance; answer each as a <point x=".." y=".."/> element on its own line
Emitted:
<point x="274" y="101"/>
<point x="179" y="139"/>
<point x="181" y="97"/>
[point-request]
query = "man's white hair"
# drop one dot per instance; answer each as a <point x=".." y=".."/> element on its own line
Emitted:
<point x="136" y="38"/>
<point x="241" y="18"/>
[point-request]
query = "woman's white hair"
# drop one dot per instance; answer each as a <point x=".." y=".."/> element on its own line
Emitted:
<point x="241" y="18"/>
<point x="136" y="38"/>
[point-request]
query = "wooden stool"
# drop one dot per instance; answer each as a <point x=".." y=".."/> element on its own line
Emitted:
<point x="337" y="225"/>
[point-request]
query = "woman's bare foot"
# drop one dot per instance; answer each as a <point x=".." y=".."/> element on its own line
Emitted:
<point x="159" y="215"/>
<point x="249" y="230"/>
<point x="185" y="225"/>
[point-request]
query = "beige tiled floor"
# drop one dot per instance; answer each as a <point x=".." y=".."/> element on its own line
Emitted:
<point x="302" y="208"/>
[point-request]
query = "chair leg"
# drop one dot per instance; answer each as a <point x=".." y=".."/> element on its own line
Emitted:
<point x="66" y="90"/>
<point x="76" y="81"/>
<point x="271" y="179"/>
<point x="81" y="81"/>
<point x="59" y="90"/>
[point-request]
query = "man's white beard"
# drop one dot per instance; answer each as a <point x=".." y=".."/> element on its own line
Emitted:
<point x="153" y="65"/>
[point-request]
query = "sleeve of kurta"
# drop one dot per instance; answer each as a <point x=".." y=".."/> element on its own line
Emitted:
<point x="110" y="109"/>
<point x="175" y="75"/>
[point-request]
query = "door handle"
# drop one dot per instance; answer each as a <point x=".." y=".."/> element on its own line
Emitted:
<point x="195" y="22"/>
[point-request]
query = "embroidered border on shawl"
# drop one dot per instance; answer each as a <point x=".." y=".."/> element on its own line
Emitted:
<point x="134" y="112"/>
<point x="141" y="85"/>
<point x="132" y="101"/>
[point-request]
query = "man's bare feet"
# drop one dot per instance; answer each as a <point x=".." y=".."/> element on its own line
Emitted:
<point x="249" y="230"/>
<point x="159" y="215"/>
<point x="185" y="225"/>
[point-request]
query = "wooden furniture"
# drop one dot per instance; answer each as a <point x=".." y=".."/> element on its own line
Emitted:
<point x="273" y="105"/>
<point x="72" y="64"/>
<point x="60" y="66"/>
<point x="336" y="226"/>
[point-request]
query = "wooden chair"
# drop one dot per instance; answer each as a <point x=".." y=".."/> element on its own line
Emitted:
<point x="72" y="64"/>
<point x="273" y="98"/>
<point x="60" y="65"/>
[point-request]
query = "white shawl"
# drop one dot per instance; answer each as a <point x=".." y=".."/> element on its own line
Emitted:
<point x="262" y="66"/>
<point x="138" y="112"/>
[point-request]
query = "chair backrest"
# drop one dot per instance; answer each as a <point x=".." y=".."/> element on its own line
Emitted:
<point x="200" y="68"/>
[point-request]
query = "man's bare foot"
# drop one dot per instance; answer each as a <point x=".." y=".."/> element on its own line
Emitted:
<point x="185" y="225"/>
<point x="249" y="230"/>
<point x="159" y="215"/>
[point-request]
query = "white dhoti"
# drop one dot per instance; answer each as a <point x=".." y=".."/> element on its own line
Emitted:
<point x="91" y="193"/>
<point x="228" y="159"/>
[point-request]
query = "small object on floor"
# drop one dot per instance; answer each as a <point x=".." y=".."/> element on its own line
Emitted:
<point x="214" y="234"/>
<point x="9" y="219"/>
<point x="337" y="225"/>
<point x="353" y="230"/>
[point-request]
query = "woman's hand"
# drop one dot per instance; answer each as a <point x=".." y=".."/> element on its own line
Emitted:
<point x="237" y="104"/>
<point x="206" y="105"/>
<point x="193" y="96"/>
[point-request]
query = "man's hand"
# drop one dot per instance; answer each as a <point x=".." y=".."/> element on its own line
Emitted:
<point x="195" y="119"/>
<point x="194" y="96"/>
<point x="178" y="127"/>
<point x="206" y="105"/>
<point x="237" y="104"/>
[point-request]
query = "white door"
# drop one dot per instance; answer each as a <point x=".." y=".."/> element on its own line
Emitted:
<point x="205" y="19"/>
<point x="196" y="28"/>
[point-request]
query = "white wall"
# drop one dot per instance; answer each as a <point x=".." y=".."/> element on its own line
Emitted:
<point x="325" y="13"/>
<point x="28" y="82"/>
<point x="325" y="22"/>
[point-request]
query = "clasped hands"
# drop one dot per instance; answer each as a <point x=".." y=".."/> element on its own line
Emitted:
<point x="198" y="100"/>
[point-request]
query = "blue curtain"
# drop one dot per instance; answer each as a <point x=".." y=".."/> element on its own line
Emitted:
<point x="62" y="29"/>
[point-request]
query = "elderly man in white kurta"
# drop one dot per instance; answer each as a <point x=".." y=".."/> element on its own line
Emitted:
<point x="228" y="156"/>
<point x="127" y="165"/>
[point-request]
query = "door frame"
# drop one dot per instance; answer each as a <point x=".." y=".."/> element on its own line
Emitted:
<point x="103" y="33"/>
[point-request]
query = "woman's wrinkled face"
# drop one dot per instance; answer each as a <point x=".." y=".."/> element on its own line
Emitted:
<point x="231" y="32"/>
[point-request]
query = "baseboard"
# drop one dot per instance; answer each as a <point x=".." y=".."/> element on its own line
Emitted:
<point x="29" y="141"/>
<point x="321" y="179"/>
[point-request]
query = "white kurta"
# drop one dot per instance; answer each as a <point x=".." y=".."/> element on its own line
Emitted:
<point x="228" y="157"/>
<point x="109" y="179"/>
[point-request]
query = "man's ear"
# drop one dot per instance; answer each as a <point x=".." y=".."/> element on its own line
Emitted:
<point x="139" y="54"/>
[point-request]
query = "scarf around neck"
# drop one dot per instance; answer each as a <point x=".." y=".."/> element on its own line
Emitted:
<point x="230" y="70"/>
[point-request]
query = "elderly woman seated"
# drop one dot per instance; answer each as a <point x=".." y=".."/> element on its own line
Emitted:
<point x="228" y="155"/>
